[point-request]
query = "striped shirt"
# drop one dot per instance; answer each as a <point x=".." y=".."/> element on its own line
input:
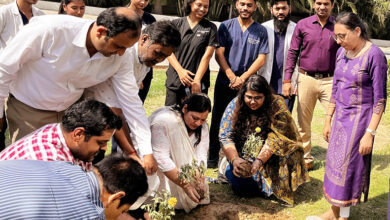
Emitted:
<point x="46" y="143"/>
<point x="48" y="190"/>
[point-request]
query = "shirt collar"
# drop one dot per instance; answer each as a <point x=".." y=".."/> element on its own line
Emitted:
<point x="314" y="19"/>
<point x="81" y="37"/>
<point x="135" y="48"/>
<point x="15" y="9"/>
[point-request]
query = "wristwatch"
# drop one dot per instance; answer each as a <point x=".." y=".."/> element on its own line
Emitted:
<point x="371" y="131"/>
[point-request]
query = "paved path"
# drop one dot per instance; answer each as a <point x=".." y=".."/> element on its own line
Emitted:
<point x="92" y="12"/>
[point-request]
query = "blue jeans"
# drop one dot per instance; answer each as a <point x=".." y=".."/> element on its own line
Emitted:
<point x="244" y="187"/>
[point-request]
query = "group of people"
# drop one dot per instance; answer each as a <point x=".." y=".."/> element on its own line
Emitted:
<point x="69" y="85"/>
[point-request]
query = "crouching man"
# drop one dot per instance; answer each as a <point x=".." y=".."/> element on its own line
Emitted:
<point x="60" y="190"/>
<point x="86" y="128"/>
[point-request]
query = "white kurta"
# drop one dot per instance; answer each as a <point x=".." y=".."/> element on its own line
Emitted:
<point x="172" y="147"/>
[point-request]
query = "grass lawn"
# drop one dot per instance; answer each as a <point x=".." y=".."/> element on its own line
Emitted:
<point x="309" y="198"/>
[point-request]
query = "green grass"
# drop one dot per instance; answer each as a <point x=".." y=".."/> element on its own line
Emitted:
<point x="309" y="197"/>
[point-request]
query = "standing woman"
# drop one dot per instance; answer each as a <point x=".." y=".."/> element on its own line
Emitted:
<point x="147" y="19"/>
<point x="357" y="103"/>
<point x="72" y="7"/>
<point x="188" y="70"/>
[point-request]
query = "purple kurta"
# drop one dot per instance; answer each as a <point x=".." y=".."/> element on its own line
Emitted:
<point x="359" y="89"/>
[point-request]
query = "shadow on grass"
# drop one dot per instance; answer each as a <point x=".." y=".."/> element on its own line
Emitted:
<point x="380" y="161"/>
<point x="225" y="205"/>
<point x="373" y="209"/>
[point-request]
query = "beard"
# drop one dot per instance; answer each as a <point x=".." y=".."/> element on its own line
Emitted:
<point x="281" y="25"/>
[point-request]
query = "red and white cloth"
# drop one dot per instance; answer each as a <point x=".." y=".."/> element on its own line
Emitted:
<point x="46" y="143"/>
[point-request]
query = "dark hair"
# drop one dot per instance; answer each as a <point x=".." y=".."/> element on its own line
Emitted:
<point x="352" y="21"/>
<point x="187" y="7"/>
<point x="93" y="116"/>
<point x="243" y="125"/>
<point x="197" y="102"/>
<point x="117" y="23"/>
<point x="65" y="2"/>
<point x="273" y="2"/>
<point x="164" y="33"/>
<point x="331" y="1"/>
<point x="120" y="173"/>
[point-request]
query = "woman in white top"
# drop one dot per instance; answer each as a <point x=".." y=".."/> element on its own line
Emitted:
<point x="179" y="135"/>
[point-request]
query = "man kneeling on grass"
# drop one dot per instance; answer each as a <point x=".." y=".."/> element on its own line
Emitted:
<point x="59" y="190"/>
<point x="85" y="129"/>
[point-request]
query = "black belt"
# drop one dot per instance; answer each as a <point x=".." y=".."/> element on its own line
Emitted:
<point x="316" y="75"/>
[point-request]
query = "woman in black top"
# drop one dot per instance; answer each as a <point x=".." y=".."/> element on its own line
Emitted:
<point x="188" y="71"/>
<point x="147" y="19"/>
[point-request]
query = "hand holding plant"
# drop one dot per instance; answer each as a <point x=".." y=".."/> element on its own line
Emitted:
<point x="194" y="175"/>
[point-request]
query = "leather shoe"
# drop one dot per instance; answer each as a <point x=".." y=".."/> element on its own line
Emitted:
<point x="309" y="165"/>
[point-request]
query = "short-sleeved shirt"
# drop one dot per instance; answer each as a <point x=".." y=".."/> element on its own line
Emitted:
<point x="241" y="48"/>
<point x="192" y="48"/>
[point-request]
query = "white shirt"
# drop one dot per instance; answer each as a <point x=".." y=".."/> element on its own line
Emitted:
<point x="11" y="22"/>
<point x="47" y="66"/>
<point x="104" y="92"/>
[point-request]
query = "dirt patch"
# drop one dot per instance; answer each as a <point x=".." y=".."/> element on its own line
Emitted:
<point x="230" y="211"/>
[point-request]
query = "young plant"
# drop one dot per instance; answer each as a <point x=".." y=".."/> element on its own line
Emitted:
<point x="194" y="174"/>
<point x="252" y="146"/>
<point x="163" y="207"/>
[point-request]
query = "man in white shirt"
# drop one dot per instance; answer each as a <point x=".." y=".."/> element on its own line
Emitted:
<point x="12" y="17"/>
<point x="279" y="30"/>
<point x="157" y="42"/>
<point x="50" y="62"/>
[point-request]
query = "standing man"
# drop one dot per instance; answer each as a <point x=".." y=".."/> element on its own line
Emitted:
<point x="280" y="30"/>
<point x="313" y="44"/>
<point x="242" y="51"/>
<point x="50" y="62"/>
<point x="12" y="17"/>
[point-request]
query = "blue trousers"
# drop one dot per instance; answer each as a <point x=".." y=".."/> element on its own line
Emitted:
<point x="244" y="187"/>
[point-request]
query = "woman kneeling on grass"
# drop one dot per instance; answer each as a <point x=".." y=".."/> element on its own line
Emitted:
<point x="180" y="135"/>
<point x="260" y="119"/>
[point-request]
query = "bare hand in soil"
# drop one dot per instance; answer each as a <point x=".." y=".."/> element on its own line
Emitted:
<point x="241" y="168"/>
<point x="255" y="166"/>
<point x="191" y="192"/>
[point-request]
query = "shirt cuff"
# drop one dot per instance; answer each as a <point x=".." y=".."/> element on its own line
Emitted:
<point x="144" y="149"/>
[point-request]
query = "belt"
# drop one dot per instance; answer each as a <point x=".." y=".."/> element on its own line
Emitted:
<point x="316" y="75"/>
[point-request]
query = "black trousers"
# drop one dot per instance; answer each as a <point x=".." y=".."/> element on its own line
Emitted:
<point x="146" y="82"/>
<point x="174" y="97"/>
<point x="222" y="97"/>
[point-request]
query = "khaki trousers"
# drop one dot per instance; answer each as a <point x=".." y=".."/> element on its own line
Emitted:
<point x="309" y="91"/>
<point x="23" y="119"/>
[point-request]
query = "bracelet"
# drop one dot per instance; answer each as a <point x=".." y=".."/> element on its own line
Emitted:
<point x="261" y="161"/>
<point x="132" y="152"/>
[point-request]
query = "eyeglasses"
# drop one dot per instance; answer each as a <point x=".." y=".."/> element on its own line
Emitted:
<point x="253" y="98"/>
<point x="340" y="37"/>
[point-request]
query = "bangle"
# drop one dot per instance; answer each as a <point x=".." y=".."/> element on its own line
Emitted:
<point x="261" y="161"/>
<point x="132" y="152"/>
